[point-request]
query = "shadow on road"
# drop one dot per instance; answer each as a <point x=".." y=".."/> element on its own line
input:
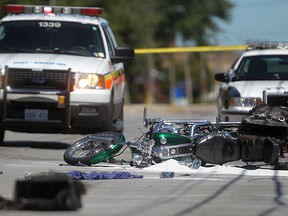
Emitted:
<point x="35" y="144"/>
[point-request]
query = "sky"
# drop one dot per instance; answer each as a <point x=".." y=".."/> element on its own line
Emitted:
<point x="255" y="20"/>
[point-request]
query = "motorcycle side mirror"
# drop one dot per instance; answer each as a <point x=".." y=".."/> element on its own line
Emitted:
<point x="217" y="122"/>
<point x="145" y="122"/>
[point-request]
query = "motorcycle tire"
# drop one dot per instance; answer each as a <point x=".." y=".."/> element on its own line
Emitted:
<point x="92" y="150"/>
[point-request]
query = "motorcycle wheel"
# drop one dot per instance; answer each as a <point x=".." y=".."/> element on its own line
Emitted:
<point x="89" y="151"/>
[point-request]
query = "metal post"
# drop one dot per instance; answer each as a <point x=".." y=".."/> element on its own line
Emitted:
<point x="5" y="92"/>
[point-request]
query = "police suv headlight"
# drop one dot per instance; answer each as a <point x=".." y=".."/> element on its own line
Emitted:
<point x="90" y="81"/>
<point x="1" y="82"/>
<point x="2" y="77"/>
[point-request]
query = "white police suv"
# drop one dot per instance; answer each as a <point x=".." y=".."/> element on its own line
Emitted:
<point x="61" y="71"/>
<point x="258" y="76"/>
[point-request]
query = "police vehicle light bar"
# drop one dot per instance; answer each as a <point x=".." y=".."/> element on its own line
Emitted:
<point x="267" y="45"/>
<point x="88" y="11"/>
<point x="13" y="9"/>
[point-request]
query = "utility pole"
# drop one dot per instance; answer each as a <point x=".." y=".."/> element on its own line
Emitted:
<point x="188" y="81"/>
<point x="172" y="80"/>
<point x="203" y="77"/>
<point x="150" y="97"/>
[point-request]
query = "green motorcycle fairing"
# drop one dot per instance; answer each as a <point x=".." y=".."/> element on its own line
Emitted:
<point x="108" y="153"/>
<point x="172" y="139"/>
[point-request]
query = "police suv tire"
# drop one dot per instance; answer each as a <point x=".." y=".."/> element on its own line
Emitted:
<point x="2" y="135"/>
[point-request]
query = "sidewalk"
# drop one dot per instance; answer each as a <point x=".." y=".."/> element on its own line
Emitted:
<point x="171" y="108"/>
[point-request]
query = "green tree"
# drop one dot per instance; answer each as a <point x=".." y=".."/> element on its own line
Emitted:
<point x="155" y="23"/>
<point x="195" y="20"/>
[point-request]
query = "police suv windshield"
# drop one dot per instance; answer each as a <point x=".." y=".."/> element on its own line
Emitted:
<point x="51" y="36"/>
<point x="264" y="67"/>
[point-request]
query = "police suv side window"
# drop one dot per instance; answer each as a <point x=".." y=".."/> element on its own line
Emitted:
<point x="112" y="37"/>
<point x="111" y="42"/>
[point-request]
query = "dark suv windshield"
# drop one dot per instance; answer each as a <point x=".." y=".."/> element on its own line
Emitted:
<point x="51" y="36"/>
<point x="264" y="67"/>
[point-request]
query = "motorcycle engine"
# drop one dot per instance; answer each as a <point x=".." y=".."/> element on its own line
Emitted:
<point x="262" y="133"/>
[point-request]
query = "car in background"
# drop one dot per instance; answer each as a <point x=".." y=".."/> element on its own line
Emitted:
<point x="258" y="76"/>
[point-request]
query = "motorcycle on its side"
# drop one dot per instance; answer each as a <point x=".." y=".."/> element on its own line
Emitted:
<point x="210" y="142"/>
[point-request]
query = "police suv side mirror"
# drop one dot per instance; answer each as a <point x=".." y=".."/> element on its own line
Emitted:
<point x="222" y="77"/>
<point x="122" y="54"/>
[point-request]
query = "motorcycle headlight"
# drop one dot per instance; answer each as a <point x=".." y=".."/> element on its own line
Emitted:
<point x="90" y="81"/>
<point x="137" y="159"/>
<point x="163" y="140"/>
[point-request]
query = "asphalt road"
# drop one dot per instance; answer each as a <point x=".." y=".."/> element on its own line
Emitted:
<point x="231" y="189"/>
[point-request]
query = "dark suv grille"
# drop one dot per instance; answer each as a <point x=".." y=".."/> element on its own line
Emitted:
<point x="277" y="99"/>
<point x="26" y="79"/>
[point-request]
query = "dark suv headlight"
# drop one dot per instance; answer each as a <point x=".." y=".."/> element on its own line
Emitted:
<point x="245" y="101"/>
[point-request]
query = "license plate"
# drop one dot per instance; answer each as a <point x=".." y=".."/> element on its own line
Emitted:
<point x="36" y="114"/>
